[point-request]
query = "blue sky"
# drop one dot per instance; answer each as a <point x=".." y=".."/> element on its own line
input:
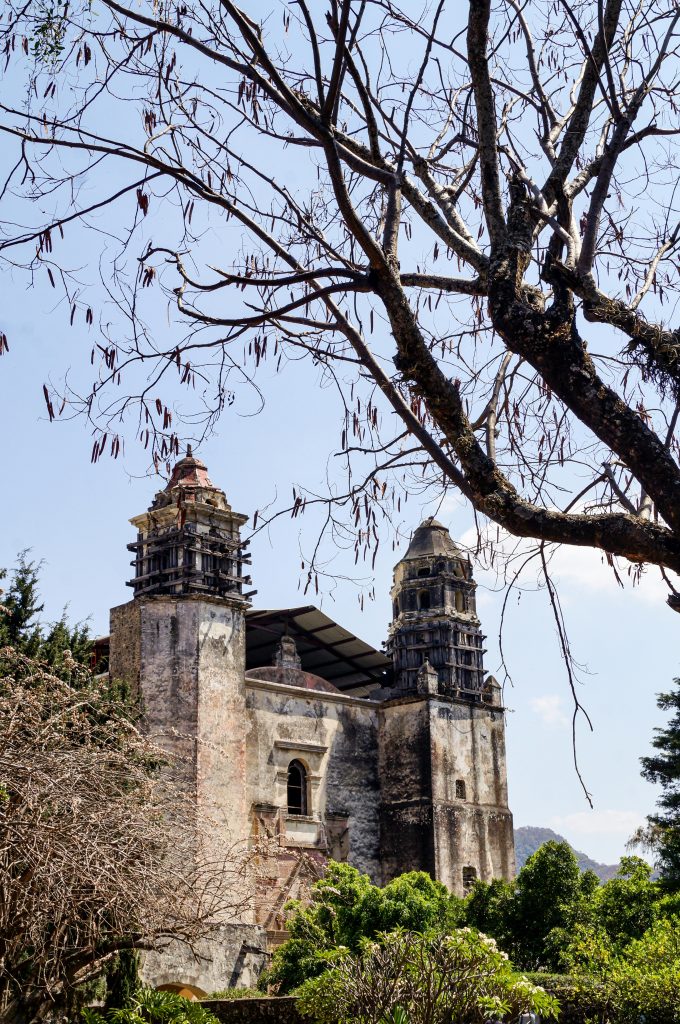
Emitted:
<point x="74" y="515"/>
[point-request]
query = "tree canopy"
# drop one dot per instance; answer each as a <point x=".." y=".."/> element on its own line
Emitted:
<point x="663" y="768"/>
<point x="21" y="628"/>
<point x="465" y="215"/>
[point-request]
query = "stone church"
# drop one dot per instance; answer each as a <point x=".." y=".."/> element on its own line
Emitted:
<point x="289" y="726"/>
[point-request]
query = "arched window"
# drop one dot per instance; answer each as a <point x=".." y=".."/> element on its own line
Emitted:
<point x="297" y="788"/>
<point x="469" y="878"/>
<point x="460" y="601"/>
<point x="396" y="609"/>
<point x="460" y="789"/>
<point x="424" y="600"/>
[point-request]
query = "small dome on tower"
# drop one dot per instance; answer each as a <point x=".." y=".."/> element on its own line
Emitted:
<point x="431" y="539"/>
<point x="189" y="483"/>
<point x="189" y="472"/>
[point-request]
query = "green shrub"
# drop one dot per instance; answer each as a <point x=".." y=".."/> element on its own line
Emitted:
<point x="150" y="1006"/>
<point x="347" y="908"/>
<point x="582" y="1000"/>
<point x="462" y="978"/>
<point x="639" y="983"/>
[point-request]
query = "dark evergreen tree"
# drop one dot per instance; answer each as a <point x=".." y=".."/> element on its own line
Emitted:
<point x="122" y="980"/>
<point x="663" y="769"/>
<point x="21" y="628"/>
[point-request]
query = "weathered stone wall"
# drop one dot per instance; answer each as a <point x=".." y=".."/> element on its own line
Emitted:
<point x="474" y="831"/>
<point x="187" y="657"/>
<point x="231" y="956"/>
<point x="125" y="643"/>
<point x="335" y="737"/>
<point x="406" y="821"/>
<point x="428" y="822"/>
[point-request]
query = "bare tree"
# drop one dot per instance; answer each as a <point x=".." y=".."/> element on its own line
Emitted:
<point x="467" y="216"/>
<point x="99" y="851"/>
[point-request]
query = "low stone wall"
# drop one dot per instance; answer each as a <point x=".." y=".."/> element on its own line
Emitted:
<point x="274" y="1010"/>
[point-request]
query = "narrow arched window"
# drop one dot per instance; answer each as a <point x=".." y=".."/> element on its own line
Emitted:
<point x="460" y="789"/>
<point x="297" y="788"/>
<point x="460" y="601"/>
<point x="424" y="600"/>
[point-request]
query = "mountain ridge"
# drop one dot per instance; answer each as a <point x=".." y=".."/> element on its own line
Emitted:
<point x="528" y="838"/>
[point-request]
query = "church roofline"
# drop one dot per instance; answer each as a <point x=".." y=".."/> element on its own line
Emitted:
<point x="337" y="697"/>
<point x="325" y="648"/>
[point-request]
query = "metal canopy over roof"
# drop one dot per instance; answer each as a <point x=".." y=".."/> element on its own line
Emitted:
<point x="325" y="648"/>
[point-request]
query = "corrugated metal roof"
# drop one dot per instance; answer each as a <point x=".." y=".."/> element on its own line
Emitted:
<point x="325" y="648"/>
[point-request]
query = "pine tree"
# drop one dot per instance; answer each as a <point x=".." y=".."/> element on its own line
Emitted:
<point x="663" y="769"/>
<point x="60" y="644"/>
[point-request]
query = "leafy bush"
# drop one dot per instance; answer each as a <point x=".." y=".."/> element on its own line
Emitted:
<point x="153" y="1007"/>
<point x="641" y="982"/>
<point x="537" y="918"/>
<point x="346" y="908"/>
<point x="462" y="978"/>
<point x="582" y="1000"/>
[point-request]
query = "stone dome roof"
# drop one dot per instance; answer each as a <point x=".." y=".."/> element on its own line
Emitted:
<point x="189" y="472"/>
<point x="290" y="676"/>
<point x="189" y="484"/>
<point x="431" y="540"/>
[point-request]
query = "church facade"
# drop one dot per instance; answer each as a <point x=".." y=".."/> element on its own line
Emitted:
<point x="288" y="726"/>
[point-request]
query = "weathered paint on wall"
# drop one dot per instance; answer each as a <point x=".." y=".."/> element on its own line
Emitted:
<point x="439" y="743"/>
<point x="230" y="956"/>
<point x="336" y="738"/>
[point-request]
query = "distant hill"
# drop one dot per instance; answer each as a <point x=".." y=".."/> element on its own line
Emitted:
<point x="528" y="839"/>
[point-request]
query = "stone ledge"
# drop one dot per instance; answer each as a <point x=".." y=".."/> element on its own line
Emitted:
<point x="267" y="1010"/>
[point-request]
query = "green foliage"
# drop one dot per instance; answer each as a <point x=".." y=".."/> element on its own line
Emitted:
<point x="461" y="978"/>
<point x="152" y="1007"/>
<point x="346" y="908"/>
<point x="488" y="909"/>
<point x="628" y="904"/>
<point x="663" y="769"/>
<point x="60" y="646"/>
<point x="532" y="917"/>
<point x="122" y="980"/>
<point x="582" y="1000"/>
<point x="49" y="31"/>
<point x="551" y="905"/>
<point x="642" y="982"/>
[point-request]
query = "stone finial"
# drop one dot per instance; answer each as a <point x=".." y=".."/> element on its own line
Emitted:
<point x="492" y="691"/>
<point x="427" y="680"/>
<point x="286" y="655"/>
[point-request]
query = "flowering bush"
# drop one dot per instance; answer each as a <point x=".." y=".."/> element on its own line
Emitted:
<point x="461" y="978"/>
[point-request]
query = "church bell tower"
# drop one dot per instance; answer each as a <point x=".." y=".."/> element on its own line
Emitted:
<point x="443" y="773"/>
<point x="435" y="617"/>
<point x="180" y="642"/>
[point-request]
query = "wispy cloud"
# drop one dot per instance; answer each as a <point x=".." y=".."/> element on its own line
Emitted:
<point x="550" y="709"/>
<point x="606" y="822"/>
<point x="577" y="570"/>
